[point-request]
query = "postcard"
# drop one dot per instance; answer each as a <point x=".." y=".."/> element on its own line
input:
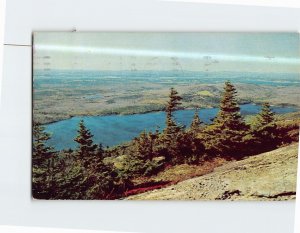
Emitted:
<point x="165" y="115"/>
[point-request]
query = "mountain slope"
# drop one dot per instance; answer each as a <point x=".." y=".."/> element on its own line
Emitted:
<point x="268" y="176"/>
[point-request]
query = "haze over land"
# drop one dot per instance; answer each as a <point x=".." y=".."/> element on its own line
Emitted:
<point x="239" y="52"/>
<point x="61" y="94"/>
<point x="119" y="114"/>
<point x="125" y="73"/>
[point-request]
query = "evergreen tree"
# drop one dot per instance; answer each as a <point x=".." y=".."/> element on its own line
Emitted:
<point x="100" y="180"/>
<point x="40" y="138"/>
<point x="228" y="134"/>
<point x="142" y="160"/>
<point x="42" y="163"/>
<point x="96" y="180"/>
<point x="196" y="123"/>
<point x="229" y="113"/>
<point x="100" y="151"/>
<point x="145" y="145"/>
<point x="173" y="133"/>
<point x="85" y="140"/>
<point x="266" y="116"/>
<point x="70" y="180"/>
<point x="194" y="148"/>
<point x="172" y="105"/>
<point x="174" y="102"/>
<point x="265" y="130"/>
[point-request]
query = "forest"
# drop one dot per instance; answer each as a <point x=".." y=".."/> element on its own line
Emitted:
<point x="94" y="172"/>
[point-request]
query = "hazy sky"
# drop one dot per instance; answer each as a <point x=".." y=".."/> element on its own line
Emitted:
<point x="255" y="52"/>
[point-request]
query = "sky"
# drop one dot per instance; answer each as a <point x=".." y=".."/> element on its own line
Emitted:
<point x="211" y="52"/>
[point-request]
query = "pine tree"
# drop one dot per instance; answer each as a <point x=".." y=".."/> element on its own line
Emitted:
<point x="174" y="102"/>
<point x="229" y="113"/>
<point x="173" y="133"/>
<point x="100" y="180"/>
<point x="171" y="127"/>
<point x="265" y="130"/>
<point x="194" y="141"/>
<point x="196" y="123"/>
<point x="142" y="159"/>
<point x="145" y="146"/>
<point x="228" y="133"/>
<point x="266" y="115"/>
<point x="40" y="138"/>
<point x="172" y="105"/>
<point x="95" y="177"/>
<point x="85" y="140"/>
<point x="100" y="151"/>
<point x="42" y="163"/>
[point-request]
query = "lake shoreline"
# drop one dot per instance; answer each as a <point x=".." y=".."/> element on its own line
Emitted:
<point x="159" y="110"/>
<point x="111" y="130"/>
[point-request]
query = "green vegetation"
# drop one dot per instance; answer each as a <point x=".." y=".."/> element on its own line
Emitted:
<point x="205" y="93"/>
<point x="228" y="134"/>
<point x="264" y="177"/>
<point x="264" y="129"/>
<point x="196" y="123"/>
<point x="148" y="161"/>
<point x="85" y="141"/>
<point x="58" y="99"/>
<point x="79" y="174"/>
<point x="42" y="159"/>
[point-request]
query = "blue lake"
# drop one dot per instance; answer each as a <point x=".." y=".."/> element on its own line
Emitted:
<point x="115" y="129"/>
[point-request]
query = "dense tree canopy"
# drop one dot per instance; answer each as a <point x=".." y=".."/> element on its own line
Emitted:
<point x="42" y="159"/>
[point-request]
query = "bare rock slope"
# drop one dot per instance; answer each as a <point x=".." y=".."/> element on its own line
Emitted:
<point x="268" y="176"/>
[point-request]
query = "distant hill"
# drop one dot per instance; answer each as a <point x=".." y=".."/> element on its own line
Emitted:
<point x="268" y="176"/>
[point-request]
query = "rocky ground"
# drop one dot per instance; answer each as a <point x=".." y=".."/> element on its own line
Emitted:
<point x="268" y="176"/>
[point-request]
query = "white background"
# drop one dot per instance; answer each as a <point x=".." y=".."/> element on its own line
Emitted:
<point x="16" y="206"/>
